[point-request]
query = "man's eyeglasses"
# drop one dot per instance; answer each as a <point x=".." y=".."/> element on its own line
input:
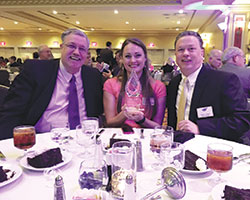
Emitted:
<point x="74" y="47"/>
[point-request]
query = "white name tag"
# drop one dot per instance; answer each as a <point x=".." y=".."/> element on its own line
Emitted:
<point x="205" y="112"/>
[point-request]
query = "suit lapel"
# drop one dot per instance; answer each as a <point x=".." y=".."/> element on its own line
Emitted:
<point x="199" y="88"/>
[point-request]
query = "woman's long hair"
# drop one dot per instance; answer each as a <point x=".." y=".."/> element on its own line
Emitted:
<point x="147" y="91"/>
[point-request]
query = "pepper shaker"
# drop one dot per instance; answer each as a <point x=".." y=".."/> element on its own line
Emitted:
<point x="59" y="192"/>
<point x="139" y="162"/>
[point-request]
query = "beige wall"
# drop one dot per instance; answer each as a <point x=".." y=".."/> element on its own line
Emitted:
<point x="164" y="42"/>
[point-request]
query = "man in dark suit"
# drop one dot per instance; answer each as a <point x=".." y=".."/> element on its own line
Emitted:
<point x="106" y="55"/>
<point x="202" y="100"/>
<point x="40" y="94"/>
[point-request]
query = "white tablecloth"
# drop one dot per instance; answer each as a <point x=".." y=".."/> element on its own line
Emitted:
<point x="33" y="185"/>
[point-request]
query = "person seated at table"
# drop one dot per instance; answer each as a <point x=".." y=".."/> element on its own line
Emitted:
<point x="47" y="91"/>
<point x="153" y="92"/>
<point x="202" y="100"/>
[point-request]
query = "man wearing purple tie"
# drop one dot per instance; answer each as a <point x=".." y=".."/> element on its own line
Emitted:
<point x="47" y="91"/>
<point x="214" y="101"/>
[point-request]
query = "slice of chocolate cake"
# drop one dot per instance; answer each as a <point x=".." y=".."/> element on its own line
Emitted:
<point x="3" y="175"/>
<point x="48" y="158"/>
<point x="232" y="193"/>
<point x="192" y="161"/>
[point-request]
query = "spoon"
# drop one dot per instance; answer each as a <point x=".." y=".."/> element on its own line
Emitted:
<point x="173" y="184"/>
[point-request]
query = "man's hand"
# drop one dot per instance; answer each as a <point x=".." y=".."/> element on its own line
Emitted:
<point x="107" y="74"/>
<point x="188" y="126"/>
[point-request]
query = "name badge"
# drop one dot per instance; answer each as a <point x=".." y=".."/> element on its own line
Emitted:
<point x="205" y="112"/>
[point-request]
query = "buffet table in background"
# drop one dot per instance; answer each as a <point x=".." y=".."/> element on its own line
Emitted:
<point x="33" y="184"/>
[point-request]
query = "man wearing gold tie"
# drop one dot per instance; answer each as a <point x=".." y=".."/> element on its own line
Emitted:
<point x="202" y="100"/>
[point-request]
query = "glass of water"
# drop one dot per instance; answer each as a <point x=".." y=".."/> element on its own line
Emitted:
<point x="59" y="133"/>
<point x="173" y="155"/>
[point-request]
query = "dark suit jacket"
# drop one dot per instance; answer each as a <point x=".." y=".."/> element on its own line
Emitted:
<point x="4" y="78"/>
<point x="31" y="91"/>
<point x="224" y="93"/>
<point x="107" y="56"/>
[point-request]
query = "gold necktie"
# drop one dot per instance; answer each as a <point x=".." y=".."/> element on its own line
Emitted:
<point x="182" y="103"/>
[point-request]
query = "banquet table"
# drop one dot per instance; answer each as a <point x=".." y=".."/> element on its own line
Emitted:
<point x="33" y="184"/>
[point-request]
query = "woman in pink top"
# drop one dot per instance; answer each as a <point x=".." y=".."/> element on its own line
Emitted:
<point x="152" y="99"/>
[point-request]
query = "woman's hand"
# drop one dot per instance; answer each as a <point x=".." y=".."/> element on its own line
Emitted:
<point x="133" y="113"/>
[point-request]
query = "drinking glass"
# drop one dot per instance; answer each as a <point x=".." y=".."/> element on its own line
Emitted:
<point x="219" y="159"/>
<point x="173" y="155"/>
<point x="50" y="174"/>
<point x="92" y="174"/>
<point x="122" y="165"/>
<point x="86" y="139"/>
<point x="158" y="137"/>
<point x="59" y="133"/>
<point x="24" y="137"/>
<point x="91" y="125"/>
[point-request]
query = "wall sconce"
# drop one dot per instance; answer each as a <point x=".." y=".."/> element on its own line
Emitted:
<point x="222" y="26"/>
<point x="2" y="43"/>
<point x="28" y="43"/>
<point x="93" y="44"/>
<point x="248" y="25"/>
<point x="151" y="44"/>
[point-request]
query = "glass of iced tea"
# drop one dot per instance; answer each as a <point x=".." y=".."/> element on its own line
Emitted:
<point x="219" y="158"/>
<point x="24" y="137"/>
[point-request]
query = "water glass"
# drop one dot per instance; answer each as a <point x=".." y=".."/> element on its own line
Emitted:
<point x="59" y="132"/>
<point x="50" y="174"/>
<point x="85" y="139"/>
<point x="122" y="165"/>
<point x="173" y="155"/>
<point x="92" y="174"/>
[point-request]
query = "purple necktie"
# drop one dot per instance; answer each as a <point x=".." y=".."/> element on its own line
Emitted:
<point x="73" y="108"/>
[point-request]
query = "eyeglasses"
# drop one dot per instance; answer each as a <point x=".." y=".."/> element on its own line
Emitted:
<point x="74" y="47"/>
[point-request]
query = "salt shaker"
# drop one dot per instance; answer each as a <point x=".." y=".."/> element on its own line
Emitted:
<point x="129" y="191"/>
<point x="59" y="192"/>
<point x="139" y="162"/>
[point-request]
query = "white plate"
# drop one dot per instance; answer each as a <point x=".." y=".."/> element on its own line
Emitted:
<point x="193" y="172"/>
<point x="13" y="168"/>
<point x="217" y="192"/>
<point x="88" y="194"/>
<point x="65" y="156"/>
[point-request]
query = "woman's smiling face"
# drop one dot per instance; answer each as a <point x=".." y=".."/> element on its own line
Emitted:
<point x="133" y="58"/>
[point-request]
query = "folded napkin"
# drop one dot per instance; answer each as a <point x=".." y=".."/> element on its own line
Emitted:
<point x="181" y="136"/>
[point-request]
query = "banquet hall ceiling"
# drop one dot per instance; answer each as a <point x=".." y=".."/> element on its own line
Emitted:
<point x="97" y="16"/>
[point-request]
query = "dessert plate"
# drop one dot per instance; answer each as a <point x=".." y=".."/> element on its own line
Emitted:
<point x="14" y="173"/>
<point x="193" y="172"/>
<point x="65" y="156"/>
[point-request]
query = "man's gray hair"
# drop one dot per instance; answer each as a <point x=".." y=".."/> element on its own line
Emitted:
<point x="41" y="47"/>
<point x="74" y="31"/>
<point x="229" y="53"/>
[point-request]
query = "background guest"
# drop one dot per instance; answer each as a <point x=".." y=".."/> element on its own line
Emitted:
<point x="214" y="59"/>
<point x="44" y="52"/>
<point x="234" y="61"/>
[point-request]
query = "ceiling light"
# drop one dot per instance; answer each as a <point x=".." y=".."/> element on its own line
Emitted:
<point x="1" y="28"/>
<point x="15" y="22"/>
<point x="178" y="22"/>
<point x="39" y="29"/>
<point x="54" y="12"/>
<point x="127" y="22"/>
<point x="133" y="29"/>
<point x="92" y="29"/>
<point x="180" y="11"/>
<point x="177" y="29"/>
<point x="77" y="22"/>
<point x="116" y="12"/>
